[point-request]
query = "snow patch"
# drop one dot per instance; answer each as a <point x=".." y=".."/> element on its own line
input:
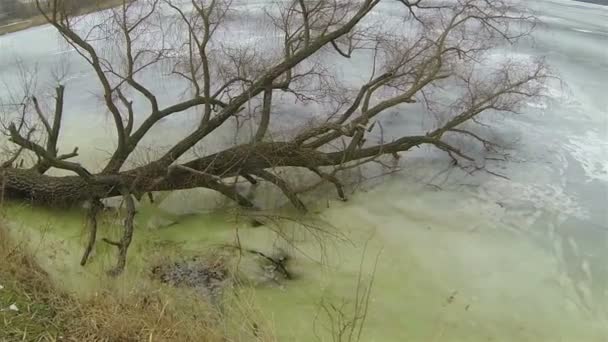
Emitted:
<point x="534" y="198"/>
<point x="591" y="151"/>
<point x="539" y="105"/>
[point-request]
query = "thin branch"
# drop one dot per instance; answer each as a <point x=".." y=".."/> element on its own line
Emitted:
<point x="127" y="236"/>
<point x="49" y="158"/>
<point x="265" y="120"/>
<point x="332" y="179"/>
<point x="94" y="210"/>
<point x="283" y="186"/>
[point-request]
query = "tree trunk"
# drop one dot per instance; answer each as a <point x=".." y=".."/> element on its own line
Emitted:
<point x="249" y="158"/>
<point x="31" y="186"/>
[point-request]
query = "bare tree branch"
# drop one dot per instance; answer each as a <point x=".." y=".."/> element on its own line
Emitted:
<point x="427" y="61"/>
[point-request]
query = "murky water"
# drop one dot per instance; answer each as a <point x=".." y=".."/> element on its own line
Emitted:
<point x="461" y="258"/>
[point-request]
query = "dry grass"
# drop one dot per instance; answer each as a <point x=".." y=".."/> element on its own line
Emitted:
<point x="48" y="314"/>
<point x="25" y="286"/>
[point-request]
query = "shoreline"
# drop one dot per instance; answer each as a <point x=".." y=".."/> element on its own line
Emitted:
<point x="596" y="2"/>
<point x="39" y="20"/>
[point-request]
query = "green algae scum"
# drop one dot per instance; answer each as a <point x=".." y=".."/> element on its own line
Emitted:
<point x="459" y="277"/>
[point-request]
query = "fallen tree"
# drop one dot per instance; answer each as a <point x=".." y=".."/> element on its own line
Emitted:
<point x="440" y="44"/>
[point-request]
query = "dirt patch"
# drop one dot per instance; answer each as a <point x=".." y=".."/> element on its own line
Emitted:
<point x="207" y="277"/>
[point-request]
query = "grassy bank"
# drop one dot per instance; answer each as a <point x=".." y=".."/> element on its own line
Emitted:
<point x="25" y="23"/>
<point x="33" y="309"/>
<point x="26" y="313"/>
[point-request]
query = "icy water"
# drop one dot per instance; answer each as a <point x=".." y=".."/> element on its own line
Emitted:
<point x="460" y="258"/>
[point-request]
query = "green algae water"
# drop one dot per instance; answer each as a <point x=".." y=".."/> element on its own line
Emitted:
<point x="460" y="275"/>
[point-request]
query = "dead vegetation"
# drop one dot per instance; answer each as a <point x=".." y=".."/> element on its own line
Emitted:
<point x="344" y="319"/>
<point x="47" y="313"/>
